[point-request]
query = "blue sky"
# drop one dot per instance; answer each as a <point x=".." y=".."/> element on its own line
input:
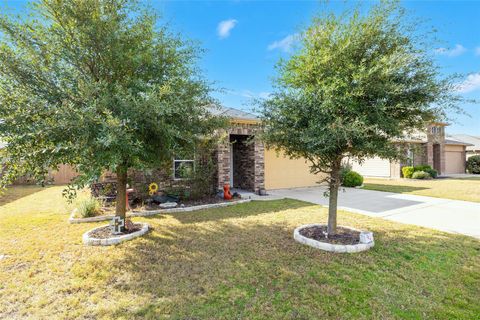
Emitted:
<point x="244" y="39"/>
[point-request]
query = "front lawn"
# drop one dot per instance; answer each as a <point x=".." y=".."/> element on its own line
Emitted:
<point x="238" y="262"/>
<point x="467" y="189"/>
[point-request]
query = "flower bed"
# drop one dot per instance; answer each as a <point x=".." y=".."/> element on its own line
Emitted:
<point x="145" y="213"/>
<point x="102" y="236"/>
<point x="347" y="239"/>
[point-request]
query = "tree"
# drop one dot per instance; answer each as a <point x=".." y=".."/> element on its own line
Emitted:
<point x="356" y="84"/>
<point x="98" y="85"/>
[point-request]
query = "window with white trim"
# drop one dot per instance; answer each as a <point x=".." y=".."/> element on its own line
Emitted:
<point x="183" y="169"/>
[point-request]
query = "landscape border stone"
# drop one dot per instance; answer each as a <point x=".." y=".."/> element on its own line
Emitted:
<point x="154" y="212"/>
<point x="90" y="241"/>
<point x="338" y="248"/>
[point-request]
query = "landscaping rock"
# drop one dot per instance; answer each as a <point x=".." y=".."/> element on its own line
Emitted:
<point x="95" y="236"/>
<point x="332" y="247"/>
<point x="163" y="199"/>
<point x="168" y="205"/>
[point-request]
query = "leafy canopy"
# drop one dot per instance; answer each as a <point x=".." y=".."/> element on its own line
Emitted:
<point x="357" y="84"/>
<point x="97" y="84"/>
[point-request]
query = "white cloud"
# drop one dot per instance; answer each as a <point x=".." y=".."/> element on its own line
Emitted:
<point x="454" y="52"/>
<point x="224" y="28"/>
<point x="471" y="83"/>
<point x="284" y="44"/>
<point x="477" y="51"/>
<point x="250" y="94"/>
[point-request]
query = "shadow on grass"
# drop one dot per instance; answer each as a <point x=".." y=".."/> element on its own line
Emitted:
<point x="240" y="210"/>
<point x="254" y="269"/>
<point x="15" y="192"/>
<point x="391" y="188"/>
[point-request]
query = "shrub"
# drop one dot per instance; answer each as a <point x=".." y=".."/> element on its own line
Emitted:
<point x="473" y="164"/>
<point x="432" y="172"/>
<point x="352" y="179"/>
<point x="89" y="207"/>
<point x="407" y="172"/>
<point x="420" y="175"/>
<point x="345" y="168"/>
<point x="422" y="167"/>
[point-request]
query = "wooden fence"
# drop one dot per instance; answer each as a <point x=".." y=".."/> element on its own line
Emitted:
<point x="63" y="175"/>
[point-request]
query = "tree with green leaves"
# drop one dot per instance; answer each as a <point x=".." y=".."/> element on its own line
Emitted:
<point x="356" y="84"/>
<point x="99" y="85"/>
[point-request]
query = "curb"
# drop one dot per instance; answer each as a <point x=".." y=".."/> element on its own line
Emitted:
<point x="337" y="248"/>
<point x="87" y="240"/>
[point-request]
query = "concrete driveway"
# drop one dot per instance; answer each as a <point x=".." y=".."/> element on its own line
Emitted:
<point x="437" y="213"/>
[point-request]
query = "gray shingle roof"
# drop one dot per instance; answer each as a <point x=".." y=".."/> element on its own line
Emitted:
<point x="235" y="113"/>
<point x="472" y="142"/>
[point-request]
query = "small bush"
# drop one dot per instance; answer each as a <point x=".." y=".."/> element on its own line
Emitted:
<point x="89" y="207"/>
<point x="422" y="167"/>
<point x="432" y="172"/>
<point x="407" y="172"/>
<point x="352" y="179"/>
<point x="420" y="175"/>
<point x="473" y="164"/>
<point x="345" y="168"/>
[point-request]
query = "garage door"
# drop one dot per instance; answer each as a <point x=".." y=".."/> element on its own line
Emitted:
<point x="283" y="172"/>
<point x="454" y="162"/>
<point x="373" y="167"/>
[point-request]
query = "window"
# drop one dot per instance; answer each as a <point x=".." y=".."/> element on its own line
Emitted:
<point x="436" y="130"/>
<point x="410" y="157"/>
<point x="182" y="169"/>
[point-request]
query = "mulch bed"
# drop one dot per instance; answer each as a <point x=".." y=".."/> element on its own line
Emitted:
<point x="187" y="203"/>
<point x="343" y="236"/>
<point x="106" y="232"/>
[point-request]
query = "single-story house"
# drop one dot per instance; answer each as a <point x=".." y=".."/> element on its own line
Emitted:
<point x="243" y="161"/>
<point x="473" y="143"/>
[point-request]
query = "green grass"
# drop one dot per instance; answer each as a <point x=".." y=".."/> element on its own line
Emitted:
<point x="239" y="262"/>
<point x="467" y="189"/>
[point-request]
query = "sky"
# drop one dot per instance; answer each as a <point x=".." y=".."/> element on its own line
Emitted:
<point x="244" y="39"/>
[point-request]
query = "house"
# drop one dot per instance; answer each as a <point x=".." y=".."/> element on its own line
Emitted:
<point x="473" y="147"/>
<point x="431" y="147"/>
<point x="245" y="163"/>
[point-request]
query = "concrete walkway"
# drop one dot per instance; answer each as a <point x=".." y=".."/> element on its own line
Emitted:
<point x="437" y="213"/>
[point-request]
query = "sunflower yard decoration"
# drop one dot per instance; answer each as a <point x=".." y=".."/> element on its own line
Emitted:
<point x="152" y="188"/>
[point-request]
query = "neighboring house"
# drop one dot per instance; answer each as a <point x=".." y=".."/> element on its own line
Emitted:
<point x="473" y="147"/>
<point x="447" y="156"/>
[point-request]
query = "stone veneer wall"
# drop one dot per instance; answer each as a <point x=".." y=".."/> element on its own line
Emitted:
<point x="436" y="138"/>
<point x="224" y="157"/>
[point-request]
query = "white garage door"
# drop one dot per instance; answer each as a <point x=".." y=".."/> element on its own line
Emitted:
<point x="373" y="167"/>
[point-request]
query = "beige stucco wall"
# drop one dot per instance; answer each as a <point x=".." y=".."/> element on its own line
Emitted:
<point x="283" y="172"/>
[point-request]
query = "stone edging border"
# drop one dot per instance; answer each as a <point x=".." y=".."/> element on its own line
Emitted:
<point x="154" y="212"/>
<point x="338" y="248"/>
<point x="89" y="241"/>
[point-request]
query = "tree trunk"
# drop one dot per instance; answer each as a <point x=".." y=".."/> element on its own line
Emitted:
<point x="121" y="205"/>
<point x="334" y="184"/>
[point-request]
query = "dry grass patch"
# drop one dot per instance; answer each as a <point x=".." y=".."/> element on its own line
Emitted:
<point x="467" y="189"/>
<point x="229" y="263"/>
